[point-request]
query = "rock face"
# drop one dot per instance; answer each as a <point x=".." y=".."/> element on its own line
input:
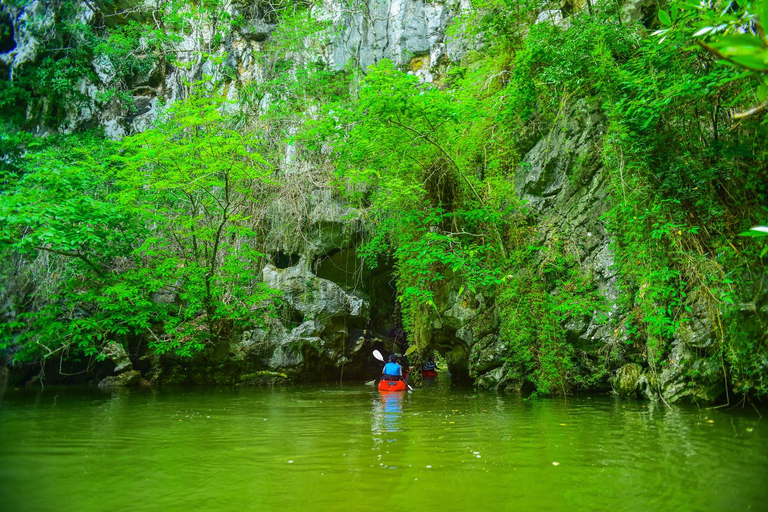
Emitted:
<point x="119" y="356"/>
<point x="562" y="180"/>
<point x="407" y="32"/>
<point x="131" y="378"/>
<point x="333" y="309"/>
<point x="26" y="21"/>
<point x="565" y="184"/>
<point x="320" y="317"/>
<point x="403" y="31"/>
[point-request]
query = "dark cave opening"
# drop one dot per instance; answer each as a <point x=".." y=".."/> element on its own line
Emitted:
<point x="285" y="260"/>
<point x="7" y="42"/>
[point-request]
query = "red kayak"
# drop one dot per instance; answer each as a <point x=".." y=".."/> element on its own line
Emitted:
<point x="428" y="374"/>
<point x="392" y="385"/>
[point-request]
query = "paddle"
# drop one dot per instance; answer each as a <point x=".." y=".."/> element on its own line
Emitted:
<point x="380" y="357"/>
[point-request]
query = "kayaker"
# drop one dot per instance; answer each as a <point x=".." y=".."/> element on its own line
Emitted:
<point x="392" y="370"/>
<point x="429" y="370"/>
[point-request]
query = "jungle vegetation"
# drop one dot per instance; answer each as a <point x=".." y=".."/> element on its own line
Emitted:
<point x="93" y="231"/>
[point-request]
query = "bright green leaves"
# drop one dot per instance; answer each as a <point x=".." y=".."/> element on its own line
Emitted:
<point x="744" y="50"/>
<point x="150" y="237"/>
<point x="403" y="152"/>
<point x="403" y="132"/>
<point x="734" y="34"/>
<point x="532" y="319"/>
<point x="60" y="215"/>
<point x="760" y="232"/>
<point x="196" y="180"/>
<point x="756" y="232"/>
<point x="60" y="206"/>
<point x="665" y="18"/>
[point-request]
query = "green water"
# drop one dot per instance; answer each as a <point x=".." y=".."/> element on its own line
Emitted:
<point x="352" y="449"/>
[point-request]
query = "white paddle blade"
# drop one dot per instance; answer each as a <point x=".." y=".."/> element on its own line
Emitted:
<point x="378" y="355"/>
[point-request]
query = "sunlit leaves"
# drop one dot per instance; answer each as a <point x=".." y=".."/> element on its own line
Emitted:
<point x="166" y="212"/>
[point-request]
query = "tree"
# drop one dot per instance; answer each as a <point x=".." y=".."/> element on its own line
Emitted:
<point x="197" y="183"/>
<point x="149" y="237"/>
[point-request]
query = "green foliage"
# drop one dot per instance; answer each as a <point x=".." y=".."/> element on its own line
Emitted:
<point x="174" y="212"/>
<point x="733" y="33"/>
<point x="549" y="290"/>
<point x="402" y="157"/>
<point x="168" y="217"/>
<point x="59" y="213"/>
<point x="102" y="44"/>
<point x="195" y="181"/>
<point x="686" y="178"/>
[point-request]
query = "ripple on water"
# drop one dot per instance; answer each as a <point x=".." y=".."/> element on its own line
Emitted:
<point x="332" y="449"/>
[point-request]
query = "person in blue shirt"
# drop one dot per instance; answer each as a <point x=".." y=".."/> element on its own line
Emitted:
<point x="392" y="370"/>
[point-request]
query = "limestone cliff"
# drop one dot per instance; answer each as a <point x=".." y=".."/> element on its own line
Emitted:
<point x="334" y="309"/>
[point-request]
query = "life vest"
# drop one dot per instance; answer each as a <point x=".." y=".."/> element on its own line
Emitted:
<point x="392" y="369"/>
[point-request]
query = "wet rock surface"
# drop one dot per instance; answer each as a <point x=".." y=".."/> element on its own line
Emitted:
<point x="131" y="378"/>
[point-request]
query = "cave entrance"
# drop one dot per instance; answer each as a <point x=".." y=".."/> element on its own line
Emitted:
<point x="7" y="42"/>
<point x="362" y="334"/>
<point x="285" y="260"/>
<point x="345" y="268"/>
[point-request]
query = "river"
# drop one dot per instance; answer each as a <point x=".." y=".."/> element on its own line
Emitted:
<point x="353" y="449"/>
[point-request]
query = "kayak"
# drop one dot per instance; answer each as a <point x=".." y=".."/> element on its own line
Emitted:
<point x="428" y="374"/>
<point x="392" y="385"/>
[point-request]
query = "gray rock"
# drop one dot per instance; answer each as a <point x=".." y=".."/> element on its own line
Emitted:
<point x="326" y="312"/>
<point x="130" y="378"/>
<point x="117" y="353"/>
<point x="486" y="354"/>
<point x="554" y="16"/>
<point x="638" y="10"/>
<point x="492" y="379"/>
<point x="31" y="21"/>
<point x="390" y="29"/>
<point x="315" y="298"/>
<point x="689" y="376"/>
<point x="256" y="30"/>
<point x="462" y="311"/>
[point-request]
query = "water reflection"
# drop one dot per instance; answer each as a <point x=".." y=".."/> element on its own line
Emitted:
<point x="277" y="450"/>
<point x="387" y="412"/>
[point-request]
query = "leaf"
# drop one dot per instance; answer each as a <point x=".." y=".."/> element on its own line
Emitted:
<point x="762" y="92"/>
<point x="664" y="17"/>
<point x="763" y="13"/>
<point x="703" y="31"/>
<point x="410" y="350"/>
<point x="756" y="232"/>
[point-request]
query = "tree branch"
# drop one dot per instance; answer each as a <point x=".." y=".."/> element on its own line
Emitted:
<point x="751" y="112"/>
<point x="428" y="139"/>
<point x="78" y="255"/>
<point x="726" y="58"/>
